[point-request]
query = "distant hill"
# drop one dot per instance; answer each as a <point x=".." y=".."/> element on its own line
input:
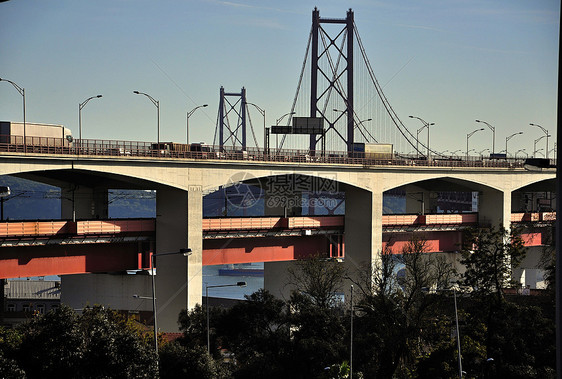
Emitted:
<point x="30" y="200"/>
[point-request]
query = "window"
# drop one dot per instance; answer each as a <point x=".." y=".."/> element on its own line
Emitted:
<point x="41" y="308"/>
<point x="26" y="307"/>
<point x="11" y="307"/>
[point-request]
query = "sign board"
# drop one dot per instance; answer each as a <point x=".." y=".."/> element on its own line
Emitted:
<point x="301" y="125"/>
<point x="281" y="129"/>
<point x="308" y="125"/>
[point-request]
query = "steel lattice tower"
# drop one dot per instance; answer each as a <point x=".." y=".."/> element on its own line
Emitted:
<point x="332" y="78"/>
<point x="225" y="108"/>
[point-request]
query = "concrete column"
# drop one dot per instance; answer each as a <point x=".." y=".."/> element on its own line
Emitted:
<point x="275" y="279"/>
<point x="363" y="227"/>
<point x="494" y="208"/>
<point x="178" y="279"/>
<point x="84" y="202"/>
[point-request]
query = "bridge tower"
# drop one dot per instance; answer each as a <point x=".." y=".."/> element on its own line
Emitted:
<point x="331" y="80"/>
<point x="226" y="107"/>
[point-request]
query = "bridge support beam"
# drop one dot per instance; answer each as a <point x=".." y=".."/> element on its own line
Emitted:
<point x="80" y="202"/>
<point x="178" y="279"/>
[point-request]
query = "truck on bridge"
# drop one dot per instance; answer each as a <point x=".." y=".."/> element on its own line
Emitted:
<point x="41" y="135"/>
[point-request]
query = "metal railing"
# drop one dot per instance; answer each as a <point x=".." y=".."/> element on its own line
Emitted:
<point x="169" y="150"/>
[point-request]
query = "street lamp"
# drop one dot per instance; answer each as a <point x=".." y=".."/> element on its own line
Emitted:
<point x="276" y="124"/>
<point x="425" y="125"/>
<point x="481" y="153"/>
<point x="453" y="153"/>
<point x="535" y="144"/>
<point x="185" y="253"/>
<point x="459" y="356"/>
<point x="187" y="121"/>
<point x="508" y="138"/>
<point x="22" y="93"/>
<point x="493" y="135"/>
<point x="80" y="106"/>
<point x="262" y="111"/>
<point x="546" y="134"/>
<point x="521" y="150"/>
<point x="468" y="136"/>
<point x="157" y="104"/>
<point x="458" y="334"/>
<point x="351" y="337"/>
<point x="238" y="284"/>
<point x="538" y="151"/>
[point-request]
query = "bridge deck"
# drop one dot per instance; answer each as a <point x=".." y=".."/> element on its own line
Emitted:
<point x="136" y="149"/>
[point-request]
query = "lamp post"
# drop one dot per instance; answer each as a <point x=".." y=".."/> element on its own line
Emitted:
<point x="470" y="135"/>
<point x="185" y="253"/>
<point x="187" y="121"/>
<point x="508" y="138"/>
<point x="157" y="104"/>
<point x="535" y="144"/>
<point x="521" y="150"/>
<point x="453" y="153"/>
<point x="481" y="153"/>
<point x="493" y="129"/>
<point x="459" y="356"/>
<point x="546" y="134"/>
<point x="425" y="125"/>
<point x="276" y="124"/>
<point x="80" y="106"/>
<point x="238" y="284"/>
<point x="538" y="151"/>
<point x="351" y="337"/>
<point x="22" y="93"/>
<point x="262" y="111"/>
<point x="458" y="334"/>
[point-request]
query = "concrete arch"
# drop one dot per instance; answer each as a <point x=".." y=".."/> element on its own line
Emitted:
<point x="538" y="184"/>
<point x="215" y="179"/>
<point x="455" y="182"/>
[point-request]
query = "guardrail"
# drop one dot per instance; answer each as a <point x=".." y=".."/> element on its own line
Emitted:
<point x="50" y="228"/>
<point x="131" y="149"/>
<point x="533" y="217"/>
<point x="14" y="229"/>
<point x="266" y="223"/>
<point x="431" y="219"/>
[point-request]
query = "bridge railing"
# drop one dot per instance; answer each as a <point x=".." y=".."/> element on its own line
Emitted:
<point x="170" y="150"/>
<point x="430" y="219"/>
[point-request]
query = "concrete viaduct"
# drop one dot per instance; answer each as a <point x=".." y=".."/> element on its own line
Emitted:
<point x="181" y="183"/>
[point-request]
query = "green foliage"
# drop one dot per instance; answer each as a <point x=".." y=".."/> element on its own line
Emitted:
<point x="404" y="327"/>
<point x="393" y="315"/>
<point x="490" y="256"/>
<point x="61" y="344"/>
<point x="179" y="361"/>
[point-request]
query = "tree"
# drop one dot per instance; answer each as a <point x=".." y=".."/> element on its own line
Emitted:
<point x="489" y="255"/>
<point x="178" y="361"/>
<point x="97" y="344"/>
<point x="256" y="331"/>
<point x="319" y="279"/>
<point x="394" y="315"/>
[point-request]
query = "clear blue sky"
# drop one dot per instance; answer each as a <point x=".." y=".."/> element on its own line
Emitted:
<point x="449" y="62"/>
